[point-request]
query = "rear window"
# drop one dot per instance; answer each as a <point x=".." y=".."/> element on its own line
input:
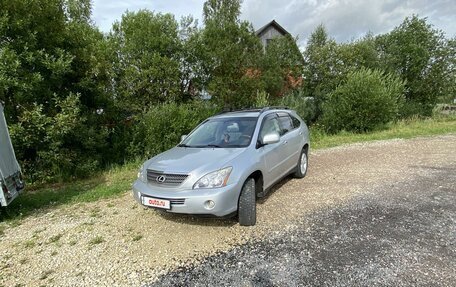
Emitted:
<point x="285" y="123"/>
<point x="296" y="122"/>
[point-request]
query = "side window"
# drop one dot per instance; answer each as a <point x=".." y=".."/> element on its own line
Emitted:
<point x="296" y="122"/>
<point x="285" y="123"/>
<point x="270" y="125"/>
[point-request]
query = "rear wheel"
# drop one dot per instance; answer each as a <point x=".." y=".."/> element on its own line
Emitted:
<point x="247" y="204"/>
<point x="301" y="168"/>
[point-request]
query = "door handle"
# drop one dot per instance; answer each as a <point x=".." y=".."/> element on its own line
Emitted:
<point x="300" y="133"/>
<point x="285" y="142"/>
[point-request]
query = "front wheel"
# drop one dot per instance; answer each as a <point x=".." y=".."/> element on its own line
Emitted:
<point x="247" y="204"/>
<point x="301" y="168"/>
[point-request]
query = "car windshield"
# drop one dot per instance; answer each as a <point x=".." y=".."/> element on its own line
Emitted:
<point x="222" y="133"/>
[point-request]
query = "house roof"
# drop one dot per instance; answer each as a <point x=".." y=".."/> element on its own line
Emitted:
<point x="274" y="24"/>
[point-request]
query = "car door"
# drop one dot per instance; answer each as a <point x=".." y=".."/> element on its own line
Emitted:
<point x="272" y="154"/>
<point x="291" y="141"/>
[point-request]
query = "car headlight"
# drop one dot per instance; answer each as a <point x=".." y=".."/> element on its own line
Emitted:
<point x="142" y="174"/>
<point x="214" y="179"/>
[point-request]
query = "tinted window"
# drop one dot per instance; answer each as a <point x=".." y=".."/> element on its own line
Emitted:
<point x="285" y="123"/>
<point x="296" y="122"/>
<point x="270" y="125"/>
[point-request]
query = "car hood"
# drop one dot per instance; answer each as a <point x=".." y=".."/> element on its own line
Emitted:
<point x="186" y="160"/>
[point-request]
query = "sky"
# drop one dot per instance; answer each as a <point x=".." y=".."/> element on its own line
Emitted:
<point x="344" y="20"/>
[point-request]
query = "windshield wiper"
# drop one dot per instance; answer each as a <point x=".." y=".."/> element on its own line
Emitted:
<point x="198" y="146"/>
<point x="207" y="145"/>
<point x="211" y="145"/>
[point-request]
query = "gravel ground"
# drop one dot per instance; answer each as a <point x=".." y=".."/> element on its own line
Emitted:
<point x="361" y="192"/>
<point x="401" y="234"/>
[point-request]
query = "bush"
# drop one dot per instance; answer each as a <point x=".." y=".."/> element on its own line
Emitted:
<point x="261" y="99"/>
<point x="367" y="100"/>
<point x="162" y="126"/>
<point x="58" y="146"/>
<point x="304" y="106"/>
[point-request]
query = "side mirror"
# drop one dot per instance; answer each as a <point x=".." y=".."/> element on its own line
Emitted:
<point x="270" y="138"/>
<point x="183" y="137"/>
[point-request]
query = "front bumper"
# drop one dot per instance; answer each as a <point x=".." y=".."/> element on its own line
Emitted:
<point x="192" y="201"/>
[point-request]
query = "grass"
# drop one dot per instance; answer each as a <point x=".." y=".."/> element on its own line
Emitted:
<point x="29" y="244"/>
<point x="118" y="179"/>
<point x="137" y="237"/>
<point x="55" y="238"/>
<point x="23" y="261"/>
<point x="111" y="183"/>
<point x="46" y="274"/>
<point x="96" y="240"/>
<point x="403" y="129"/>
<point x="95" y="213"/>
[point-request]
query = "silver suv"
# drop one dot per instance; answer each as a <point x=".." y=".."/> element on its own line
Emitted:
<point x="225" y="163"/>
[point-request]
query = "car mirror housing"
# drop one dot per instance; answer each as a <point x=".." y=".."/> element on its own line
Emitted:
<point x="271" y="138"/>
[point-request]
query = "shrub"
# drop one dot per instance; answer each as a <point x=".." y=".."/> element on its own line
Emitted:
<point x="262" y="99"/>
<point x="304" y="106"/>
<point x="367" y="100"/>
<point x="58" y="145"/>
<point x="162" y="126"/>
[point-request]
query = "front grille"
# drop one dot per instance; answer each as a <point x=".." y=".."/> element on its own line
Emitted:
<point x="177" y="201"/>
<point x="166" y="179"/>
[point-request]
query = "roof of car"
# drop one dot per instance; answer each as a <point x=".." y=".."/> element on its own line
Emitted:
<point x="249" y="112"/>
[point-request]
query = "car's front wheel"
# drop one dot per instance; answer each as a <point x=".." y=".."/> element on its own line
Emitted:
<point x="301" y="168"/>
<point x="247" y="204"/>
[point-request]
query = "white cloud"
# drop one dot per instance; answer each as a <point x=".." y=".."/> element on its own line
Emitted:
<point x="344" y="19"/>
<point x="106" y="12"/>
<point x="347" y="19"/>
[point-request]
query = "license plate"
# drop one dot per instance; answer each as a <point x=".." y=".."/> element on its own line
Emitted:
<point x="156" y="202"/>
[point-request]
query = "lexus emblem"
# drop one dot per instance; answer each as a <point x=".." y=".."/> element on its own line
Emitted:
<point x="161" y="179"/>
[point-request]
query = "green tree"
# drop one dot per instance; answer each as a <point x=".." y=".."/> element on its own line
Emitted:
<point x="162" y="126"/>
<point x="51" y="64"/>
<point x="327" y="63"/>
<point x="418" y="53"/>
<point x="449" y="95"/>
<point x="320" y="67"/>
<point x="361" y="53"/>
<point x="448" y="91"/>
<point x="32" y="57"/>
<point x="366" y="100"/>
<point x="146" y="69"/>
<point x="192" y="57"/>
<point x="231" y="54"/>
<point x="281" y="66"/>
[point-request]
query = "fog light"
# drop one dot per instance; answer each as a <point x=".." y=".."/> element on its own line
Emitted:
<point x="209" y="204"/>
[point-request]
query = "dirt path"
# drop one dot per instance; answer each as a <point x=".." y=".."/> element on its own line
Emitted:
<point x="118" y="243"/>
<point x="401" y="234"/>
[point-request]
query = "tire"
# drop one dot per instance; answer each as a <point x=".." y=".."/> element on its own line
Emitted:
<point x="247" y="204"/>
<point x="301" y="169"/>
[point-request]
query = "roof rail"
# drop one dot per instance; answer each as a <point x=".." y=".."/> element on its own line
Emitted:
<point x="261" y="110"/>
<point x="273" y="108"/>
<point x="231" y="110"/>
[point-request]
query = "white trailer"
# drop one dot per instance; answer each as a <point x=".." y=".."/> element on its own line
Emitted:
<point x="10" y="171"/>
